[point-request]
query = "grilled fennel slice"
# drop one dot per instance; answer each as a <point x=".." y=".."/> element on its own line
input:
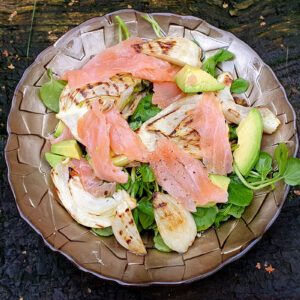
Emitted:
<point x="235" y="113"/>
<point x="176" y="50"/>
<point x="175" y="224"/>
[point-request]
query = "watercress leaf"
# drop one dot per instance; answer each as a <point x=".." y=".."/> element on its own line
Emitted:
<point x="50" y="92"/>
<point x="221" y="218"/>
<point x="147" y="173"/>
<point x="205" y="217"/>
<point x="145" y="220"/>
<point x="135" y="214"/>
<point x="103" y="231"/>
<point x="264" y="164"/>
<point x="232" y="132"/>
<point x="281" y="155"/>
<point x="238" y="194"/>
<point x="236" y="211"/>
<point x="159" y="243"/>
<point x="239" y="86"/>
<point x="210" y="64"/>
<point x="135" y="188"/>
<point x="144" y="111"/>
<point x="146" y="208"/>
<point x="223" y="55"/>
<point x="292" y="171"/>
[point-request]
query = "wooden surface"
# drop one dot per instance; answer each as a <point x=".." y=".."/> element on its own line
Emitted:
<point x="30" y="270"/>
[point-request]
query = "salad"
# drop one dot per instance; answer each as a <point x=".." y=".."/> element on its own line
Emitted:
<point x="153" y="136"/>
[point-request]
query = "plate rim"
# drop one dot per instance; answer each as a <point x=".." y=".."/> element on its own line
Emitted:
<point x="149" y="283"/>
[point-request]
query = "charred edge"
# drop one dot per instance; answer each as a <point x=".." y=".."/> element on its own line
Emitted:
<point x="131" y="222"/>
<point x="151" y="123"/>
<point x="166" y="46"/>
<point x="83" y="93"/>
<point x="234" y="112"/>
<point x="127" y="209"/>
<point x="239" y="101"/>
<point x="72" y="173"/>
<point x="89" y="86"/>
<point x="227" y="80"/>
<point x="116" y="87"/>
<point x="137" y="47"/>
<point x="100" y="226"/>
<point x="128" y="241"/>
<point x="160" y="205"/>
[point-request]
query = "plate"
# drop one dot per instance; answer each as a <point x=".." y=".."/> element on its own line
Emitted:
<point x="30" y="124"/>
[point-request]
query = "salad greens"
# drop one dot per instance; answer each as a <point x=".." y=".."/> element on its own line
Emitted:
<point x="103" y="231"/>
<point x="239" y="86"/>
<point x="210" y="64"/>
<point x="205" y="217"/>
<point x="289" y="170"/>
<point x="50" y="92"/>
<point x="154" y="24"/>
<point x="122" y="28"/>
<point x="144" y="111"/>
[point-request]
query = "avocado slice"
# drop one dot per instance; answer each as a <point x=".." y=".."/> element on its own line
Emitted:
<point x="59" y="129"/>
<point x="193" y="80"/>
<point x="220" y="181"/>
<point x="69" y="148"/>
<point x="53" y="159"/>
<point x="249" y="134"/>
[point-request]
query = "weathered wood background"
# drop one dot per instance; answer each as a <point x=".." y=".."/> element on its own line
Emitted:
<point x="30" y="270"/>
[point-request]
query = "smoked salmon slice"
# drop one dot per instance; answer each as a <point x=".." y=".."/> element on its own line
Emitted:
<point x="123" y="139"/>
<point x="165" y="93"/>
<point x="183" y="177"/>
<point x="209" y="122"/>
<point x="90" y="182"/>
<point x="121" y="58"/>
<point x="93" y="131"/>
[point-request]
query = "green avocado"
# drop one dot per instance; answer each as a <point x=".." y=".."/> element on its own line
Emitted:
<point x="220" y="181"/>
<point x="249" y="134"/>
<point x="53" y="159"/>
<point x="59" y="129"/>
<point x="193" y="80"/>
<point x="69" y="148"/>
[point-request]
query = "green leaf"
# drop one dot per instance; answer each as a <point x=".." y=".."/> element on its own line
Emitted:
<point x="205" y="217"/>
<point x="281" y="155"/>
<point x="159" y="243"/>
<point x="232" y="132"/>
<point x="145" y="219"/>
<point x="135" y="214"/>
<point x="221" y="218"/>
<point x="103" y="231"/>
<point x="210" y="64"/>
<point x="264" y="164"/>
<point x="292" y="172"/>
<point x="239" y="86"/>
<point x="50" y="92"/>
<point x="236" y="211"/>
<point x="146" y="208"/>
<point x="239" y="194"/>
<point x="144" y="111"/>
<point x="146" y="172"/>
